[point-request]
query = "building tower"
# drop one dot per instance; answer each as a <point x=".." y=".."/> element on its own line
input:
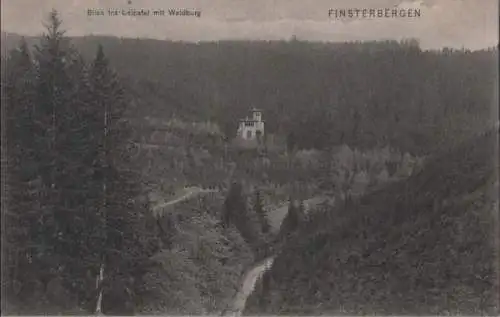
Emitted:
<point x="251" y="128"/>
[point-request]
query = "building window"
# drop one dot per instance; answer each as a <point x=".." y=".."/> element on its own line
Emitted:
<point x="249" y="134"/>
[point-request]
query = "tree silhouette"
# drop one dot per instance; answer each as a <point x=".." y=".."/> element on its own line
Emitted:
<point x="259" y="210"/>
<point x="237" y="214"/>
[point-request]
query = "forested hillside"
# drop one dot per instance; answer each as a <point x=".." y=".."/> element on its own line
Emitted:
<point x="423" y="246"/>
<point x="360" y="94"/>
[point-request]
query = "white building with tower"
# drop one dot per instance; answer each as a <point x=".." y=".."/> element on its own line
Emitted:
<point x="251" y="128"/>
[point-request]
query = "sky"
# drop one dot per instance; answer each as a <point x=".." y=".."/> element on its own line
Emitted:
<point x="471" y="24"/>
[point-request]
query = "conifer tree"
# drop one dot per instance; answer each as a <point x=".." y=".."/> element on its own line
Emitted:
<point x="261" y="214"/>
<point x="51" y="235"/>
<point x="237" y="214"/>
<point x="291" y="222"/>
<point x="266" y="280"/>
<point x="67" y="149"/>
<point x="302" y="210"/>
<point x="293" y="218"/>
<point x="18" y="164"/>
<point x="129" y="236"/>
<point x="327" y="171"/>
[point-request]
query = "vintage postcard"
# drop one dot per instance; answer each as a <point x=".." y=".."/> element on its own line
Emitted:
<point x="258" y="157"/>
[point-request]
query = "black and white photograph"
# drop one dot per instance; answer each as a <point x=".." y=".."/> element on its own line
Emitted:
<point x="250" y="158"/>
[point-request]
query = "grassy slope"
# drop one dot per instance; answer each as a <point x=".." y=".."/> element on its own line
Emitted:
<point x="422" y="246"/>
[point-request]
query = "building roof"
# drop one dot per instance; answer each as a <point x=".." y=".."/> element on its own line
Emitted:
<point x="251" y="120"/>
<point x="247" y="119"/>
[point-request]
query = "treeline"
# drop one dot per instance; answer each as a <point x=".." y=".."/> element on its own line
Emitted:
<point x="74" y="209"/>
<point x="361" y="94"/>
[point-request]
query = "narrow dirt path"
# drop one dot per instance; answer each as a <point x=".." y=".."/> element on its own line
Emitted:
<point x="248" y="285"/>
<point x="191" y="192"/>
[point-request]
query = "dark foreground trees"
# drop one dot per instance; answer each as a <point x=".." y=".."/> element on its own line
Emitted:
<point x="73" y="207"/>
<point x="260" y="212"/>
<point x="237" y="213"/>
<point x="295" y="218"/>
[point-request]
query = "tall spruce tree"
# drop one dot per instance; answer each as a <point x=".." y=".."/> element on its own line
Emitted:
<point x="237" y="214"/>
<point x="130" y="237"/>
<point x="61" y="221"/>
<point x="65" y="134"/>
<point x="291" y="222"/>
